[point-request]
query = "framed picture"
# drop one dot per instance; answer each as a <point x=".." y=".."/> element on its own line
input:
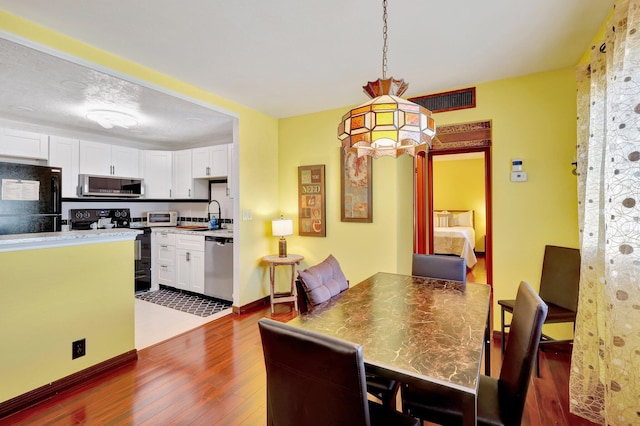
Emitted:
<point x="355" y="188"/>
<point x="311" y="201"/>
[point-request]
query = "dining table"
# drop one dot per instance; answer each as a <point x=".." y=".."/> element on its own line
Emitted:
<point x="413" y="329"/>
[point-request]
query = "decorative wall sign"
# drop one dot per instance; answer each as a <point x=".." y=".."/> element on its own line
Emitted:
<point x="355" y="188"/>
<point x="311" y="201"/>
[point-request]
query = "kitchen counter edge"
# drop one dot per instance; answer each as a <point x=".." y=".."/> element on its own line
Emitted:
<point x="227" y="233"/>
<point x="66" y="238"/>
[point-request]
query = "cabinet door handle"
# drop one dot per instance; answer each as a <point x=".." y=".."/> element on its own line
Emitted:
<point x="208" y="170"/>
<point x="163" y="246"/>
<point x="189" y="192"/>
<point x="188" y="256"/>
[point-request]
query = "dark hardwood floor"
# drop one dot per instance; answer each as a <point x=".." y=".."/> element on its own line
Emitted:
<point x="214" y="375"/>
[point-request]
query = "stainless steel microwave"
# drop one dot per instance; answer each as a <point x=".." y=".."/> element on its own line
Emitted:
<point x="109" y="186"/>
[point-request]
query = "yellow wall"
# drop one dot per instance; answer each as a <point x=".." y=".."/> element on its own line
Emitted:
<point x="257" y="149"/>
<point x="533" y="118"/>
<point x="53" y="297"/>
<point x="459" y="185"/>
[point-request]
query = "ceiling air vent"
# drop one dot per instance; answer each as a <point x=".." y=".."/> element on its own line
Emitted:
<point x="448" y="101"/>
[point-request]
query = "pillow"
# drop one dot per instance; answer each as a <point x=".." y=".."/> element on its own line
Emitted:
<point x="323" y="281"/>
<point x="441" y="219"/>
<point x="462" y="219"/>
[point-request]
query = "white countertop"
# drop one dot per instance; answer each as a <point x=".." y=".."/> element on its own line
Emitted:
<point x="66" y="238"/>
<point x="228" y="233"/>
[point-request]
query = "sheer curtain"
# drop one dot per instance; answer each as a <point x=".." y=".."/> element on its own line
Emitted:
<point x="605" y="366"/>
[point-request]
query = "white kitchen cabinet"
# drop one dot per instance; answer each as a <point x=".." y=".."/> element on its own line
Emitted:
<point x="190" y="263"/>
<point x="184" y="186"/>
<point x="109" y="160"/>
<point x="17" y="143"/>
<point x="64" y="153"/>
<point x="210" y="162"/>
<point x="156" y="170"/>
<point x="164" y="258"/>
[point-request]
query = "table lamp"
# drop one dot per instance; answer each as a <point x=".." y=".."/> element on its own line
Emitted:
<point x="281" y="228"/>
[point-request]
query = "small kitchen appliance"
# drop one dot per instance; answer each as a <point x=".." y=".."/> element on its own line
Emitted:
<point x="164" y="218"/>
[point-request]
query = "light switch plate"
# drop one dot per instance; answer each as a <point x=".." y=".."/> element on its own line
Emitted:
<point x="246" y="215"/>
<point x="518" y="176"/>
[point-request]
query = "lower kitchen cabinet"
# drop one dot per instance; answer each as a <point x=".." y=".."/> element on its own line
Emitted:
<point x="179" y="260"/>
<point x="190" y="270"/>
<point x="164" y="258"/>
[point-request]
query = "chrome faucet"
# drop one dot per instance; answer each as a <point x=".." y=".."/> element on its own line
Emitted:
<point x="219" y="223"/>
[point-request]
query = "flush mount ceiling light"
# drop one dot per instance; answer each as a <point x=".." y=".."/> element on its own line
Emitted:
<point x="387" y="125"/>
<point x="109" y="118"/>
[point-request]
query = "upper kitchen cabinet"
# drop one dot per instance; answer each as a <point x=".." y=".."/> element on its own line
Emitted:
<point x="65" y="153"/>
<point x="108" y="160"/>
<point x="17" y="143"/>
<point x="210" y="162"/>
<point x="156" y="170"/>
<point x="184" y="185"/>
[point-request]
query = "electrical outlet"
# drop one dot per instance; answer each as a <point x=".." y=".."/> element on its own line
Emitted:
<point x="78" y="348"/>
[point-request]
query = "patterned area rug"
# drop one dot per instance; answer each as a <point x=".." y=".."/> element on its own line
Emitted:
<point x="184" y="302"/>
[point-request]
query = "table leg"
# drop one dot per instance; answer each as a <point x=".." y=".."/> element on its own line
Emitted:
<point x="272" y="277"/>
<point x="294" y="291"/>
<point x="469" y="410"/>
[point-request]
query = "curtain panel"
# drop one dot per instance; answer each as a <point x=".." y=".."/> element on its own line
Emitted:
<point x="605" y="366"/>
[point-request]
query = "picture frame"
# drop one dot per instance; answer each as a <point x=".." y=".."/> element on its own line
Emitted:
<point x="355" y="188"/>
<point x="311" y="201"/>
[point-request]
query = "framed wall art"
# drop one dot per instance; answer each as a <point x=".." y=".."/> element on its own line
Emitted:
<point x="355" y="188"/>
<point x="311" y="201"/>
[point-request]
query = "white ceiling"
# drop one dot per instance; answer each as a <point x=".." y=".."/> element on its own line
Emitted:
<point x="292" y="57"/>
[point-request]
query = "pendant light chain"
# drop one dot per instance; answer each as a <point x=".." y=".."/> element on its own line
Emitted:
<point x="384" y="38"/>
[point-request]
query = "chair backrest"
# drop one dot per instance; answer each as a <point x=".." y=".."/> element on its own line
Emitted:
<point x="312" y="379"/>
<point x="440" y="267"/>
<point x="560" y="278"/>
<point x="529" y="314"/>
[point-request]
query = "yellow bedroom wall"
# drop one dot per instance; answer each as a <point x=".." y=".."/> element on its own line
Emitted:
<point x="459" y="185"/>
<point x="533" y="118"/>
<point x="257" y="147"/>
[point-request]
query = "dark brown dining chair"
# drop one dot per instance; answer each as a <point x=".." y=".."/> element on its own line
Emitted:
<point x="439" y="267"/>
<point x="314" y="379"/>
<point x="500" y="401"/>
<point x="320" y="283"/>
<point x="559" y="285"/>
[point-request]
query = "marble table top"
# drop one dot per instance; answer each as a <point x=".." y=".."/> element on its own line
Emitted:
<point x="410" y="327"/>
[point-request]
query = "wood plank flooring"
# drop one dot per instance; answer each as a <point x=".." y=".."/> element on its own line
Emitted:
<point x="214" y="375"/>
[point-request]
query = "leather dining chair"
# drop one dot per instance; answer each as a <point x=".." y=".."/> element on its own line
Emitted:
<point x="439" y="267"/>
<point x="500" y="401"/>
<point x="313" y="281"/>
<point x="314" y="379"/>
<point x="559" y="285"/>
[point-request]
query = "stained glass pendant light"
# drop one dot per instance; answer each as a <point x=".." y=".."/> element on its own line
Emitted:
<point x="387" y="125"/>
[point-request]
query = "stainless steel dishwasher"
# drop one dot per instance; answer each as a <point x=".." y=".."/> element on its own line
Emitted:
<point x="218" y="267"/>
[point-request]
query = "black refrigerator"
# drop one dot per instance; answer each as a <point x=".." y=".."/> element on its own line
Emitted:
<point x="30" y="198"/>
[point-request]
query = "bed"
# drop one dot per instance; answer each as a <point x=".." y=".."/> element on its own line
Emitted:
<point x="454" y="233"/>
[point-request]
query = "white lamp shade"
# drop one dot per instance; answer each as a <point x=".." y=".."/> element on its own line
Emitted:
<point x="282" y="227"/>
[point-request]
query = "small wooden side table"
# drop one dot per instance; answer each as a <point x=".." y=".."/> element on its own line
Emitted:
<point x="275" y="260"/>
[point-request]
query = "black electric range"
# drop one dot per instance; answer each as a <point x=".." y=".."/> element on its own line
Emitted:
<point x="82" y="219"/>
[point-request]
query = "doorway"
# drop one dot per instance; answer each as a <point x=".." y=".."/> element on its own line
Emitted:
<point x="455" y="142"/>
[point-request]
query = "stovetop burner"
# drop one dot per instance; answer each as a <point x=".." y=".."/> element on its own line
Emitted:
<point x="83" y="218"/>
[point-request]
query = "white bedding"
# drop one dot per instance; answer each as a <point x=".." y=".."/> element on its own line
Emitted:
<point x="458" y="240"/>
